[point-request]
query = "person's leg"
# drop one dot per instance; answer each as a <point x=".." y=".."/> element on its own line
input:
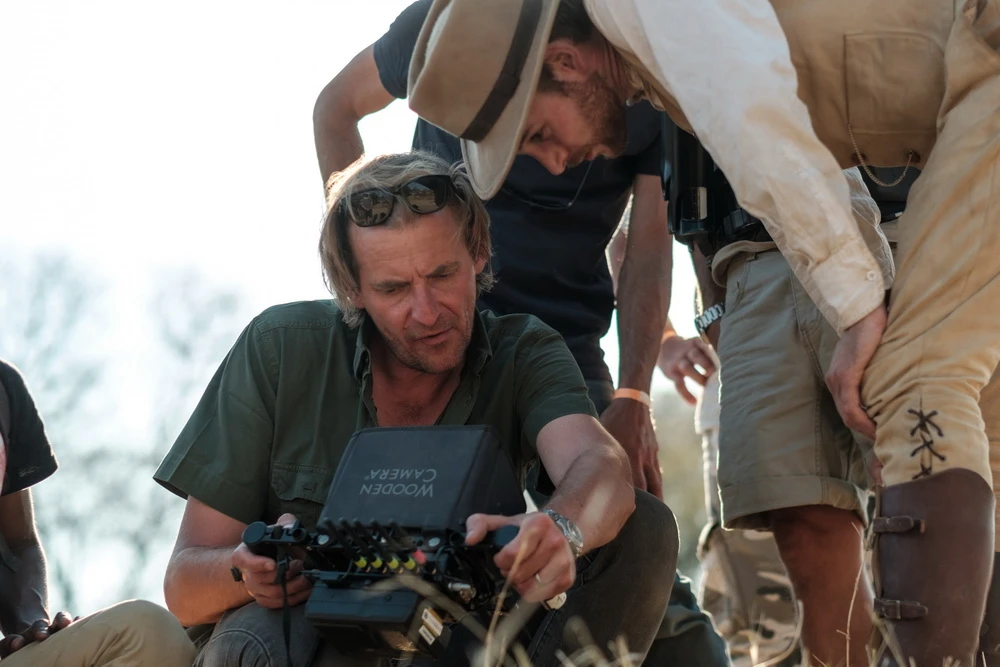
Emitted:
<point x="621" y="588"/>
<point x="940" y="348"/>
<point x="135" y="633"/>
<point x="822" y="549"/>
<point x="989" y="634"/>
<point x="687" y="635"/>
<point x="744" y="585"/>
<point x="746" y="589"/>
<point x="787" y="463"/>
<point x="251" y="636"/>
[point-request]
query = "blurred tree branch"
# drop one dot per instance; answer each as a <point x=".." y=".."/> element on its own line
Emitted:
<point x="102" y="507"/>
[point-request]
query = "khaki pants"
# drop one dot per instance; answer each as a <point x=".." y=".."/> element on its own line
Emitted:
<point x="129" y="634"/>
<point x="744" y="584"/>
<point x="929" y="386"/>
<point x="781" y="441"/>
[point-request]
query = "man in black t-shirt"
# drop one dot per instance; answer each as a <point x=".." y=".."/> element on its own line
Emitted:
<point x="550" y="234"/>
<point x="135" y="632"/>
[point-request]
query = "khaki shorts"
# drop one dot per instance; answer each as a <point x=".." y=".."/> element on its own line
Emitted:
<point x="781" y="441"/>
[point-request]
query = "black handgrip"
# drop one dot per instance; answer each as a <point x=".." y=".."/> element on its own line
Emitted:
<point x="264" y="540"/>
<point x="504" y="535"/>
<point x="254" y="537"/>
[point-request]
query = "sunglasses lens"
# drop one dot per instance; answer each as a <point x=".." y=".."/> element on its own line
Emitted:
<point x="372" y="207"/>
<point x="426" y="194"/>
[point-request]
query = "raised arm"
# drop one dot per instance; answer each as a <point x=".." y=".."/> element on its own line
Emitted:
<point x="353" y="94"/>
<point x="369" y="83"/>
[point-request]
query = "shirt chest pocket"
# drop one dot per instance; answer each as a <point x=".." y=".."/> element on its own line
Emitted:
<point x="300" y="490"/>
<point x="895" y="86"/>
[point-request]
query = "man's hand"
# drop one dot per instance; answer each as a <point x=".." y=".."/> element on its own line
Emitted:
<point x="39" y="631"/>
<point x="259" y="575"/>
<point x="545" y="566"/>
<point x="847" y="367"/>
<point x="681" y="358"/>
<point x="631" y="424"/>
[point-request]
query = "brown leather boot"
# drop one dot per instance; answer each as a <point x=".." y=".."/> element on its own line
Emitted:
<point x="933" y="562"/>
<point x="989" y="634"/>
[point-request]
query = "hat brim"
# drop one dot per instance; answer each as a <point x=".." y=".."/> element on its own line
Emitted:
<point x="489" y="161"/>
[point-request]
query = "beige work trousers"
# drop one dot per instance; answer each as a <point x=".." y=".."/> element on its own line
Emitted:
<point x="129" y="634"/>
<point x="929" y="386"/>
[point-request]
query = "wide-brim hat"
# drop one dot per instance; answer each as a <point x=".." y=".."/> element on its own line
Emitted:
<point x="474" y="71"/>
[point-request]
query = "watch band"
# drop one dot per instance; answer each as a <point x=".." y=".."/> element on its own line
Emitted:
<point x="634" y="394"/>
<point x="709" y="317"/>
<point x="569" y="530"/>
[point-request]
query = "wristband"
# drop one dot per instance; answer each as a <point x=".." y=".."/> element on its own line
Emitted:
<point x="635" y="395"/>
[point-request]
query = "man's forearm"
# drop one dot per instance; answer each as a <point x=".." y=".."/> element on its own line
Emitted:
<point x="596" y="494"/>
<point x="24" y="596"/>
<point x="643" y="303"/>
<point x="335" y="130"/>
<point x="643" y="297"/>
<point x="338" y="145"/>
<point x="198" y="586"/>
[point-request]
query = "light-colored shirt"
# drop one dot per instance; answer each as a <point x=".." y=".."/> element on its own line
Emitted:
<point x="867" y="217"/>
<point x="746" y="112"/>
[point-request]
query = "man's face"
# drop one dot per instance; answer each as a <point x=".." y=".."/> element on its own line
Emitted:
<point x="581" y="122"/>
<point x="418" y="285"/>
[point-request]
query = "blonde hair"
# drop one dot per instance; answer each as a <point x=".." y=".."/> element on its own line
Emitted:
<point x="387" y="172"/>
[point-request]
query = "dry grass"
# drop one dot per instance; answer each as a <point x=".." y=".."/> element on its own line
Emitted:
<point x="498" y="644"/>
<point x="499" y="647"/>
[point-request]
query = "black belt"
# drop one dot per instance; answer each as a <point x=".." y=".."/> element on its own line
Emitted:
<point x="741" y="226"/>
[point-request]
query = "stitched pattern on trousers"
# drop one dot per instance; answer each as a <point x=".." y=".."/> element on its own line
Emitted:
<point x="926" y="448"/>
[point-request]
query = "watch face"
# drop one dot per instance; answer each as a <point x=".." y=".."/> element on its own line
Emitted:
<point x="569" y="529"/>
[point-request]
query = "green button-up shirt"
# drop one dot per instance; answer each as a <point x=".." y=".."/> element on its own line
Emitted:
<point x="271" y="427"/>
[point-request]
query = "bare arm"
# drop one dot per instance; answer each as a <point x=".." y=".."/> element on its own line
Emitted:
<point x="25" y="592"/>
<point x="199" y="587"/>
<point x="593" y="489"/>
<point x="643" y="299"/>
<point x="353" y="94"/>
<point x="644" y="284"/>
<point x="591" y="474"/>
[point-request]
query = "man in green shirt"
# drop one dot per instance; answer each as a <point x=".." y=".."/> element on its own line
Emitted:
<point x="405" y="250"/>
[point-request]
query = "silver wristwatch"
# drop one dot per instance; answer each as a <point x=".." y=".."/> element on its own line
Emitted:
<point x="709" y="317"/>
<point x="569" y="530"/>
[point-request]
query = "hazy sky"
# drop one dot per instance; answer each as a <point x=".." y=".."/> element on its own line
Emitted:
<point x="145" y="135"/>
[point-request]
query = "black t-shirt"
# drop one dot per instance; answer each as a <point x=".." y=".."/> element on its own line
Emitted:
<point x="28" y="453"/>
<point x="548" y="257"/>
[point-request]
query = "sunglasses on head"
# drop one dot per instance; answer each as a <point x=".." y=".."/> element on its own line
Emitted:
<point x="422" y="195"/>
